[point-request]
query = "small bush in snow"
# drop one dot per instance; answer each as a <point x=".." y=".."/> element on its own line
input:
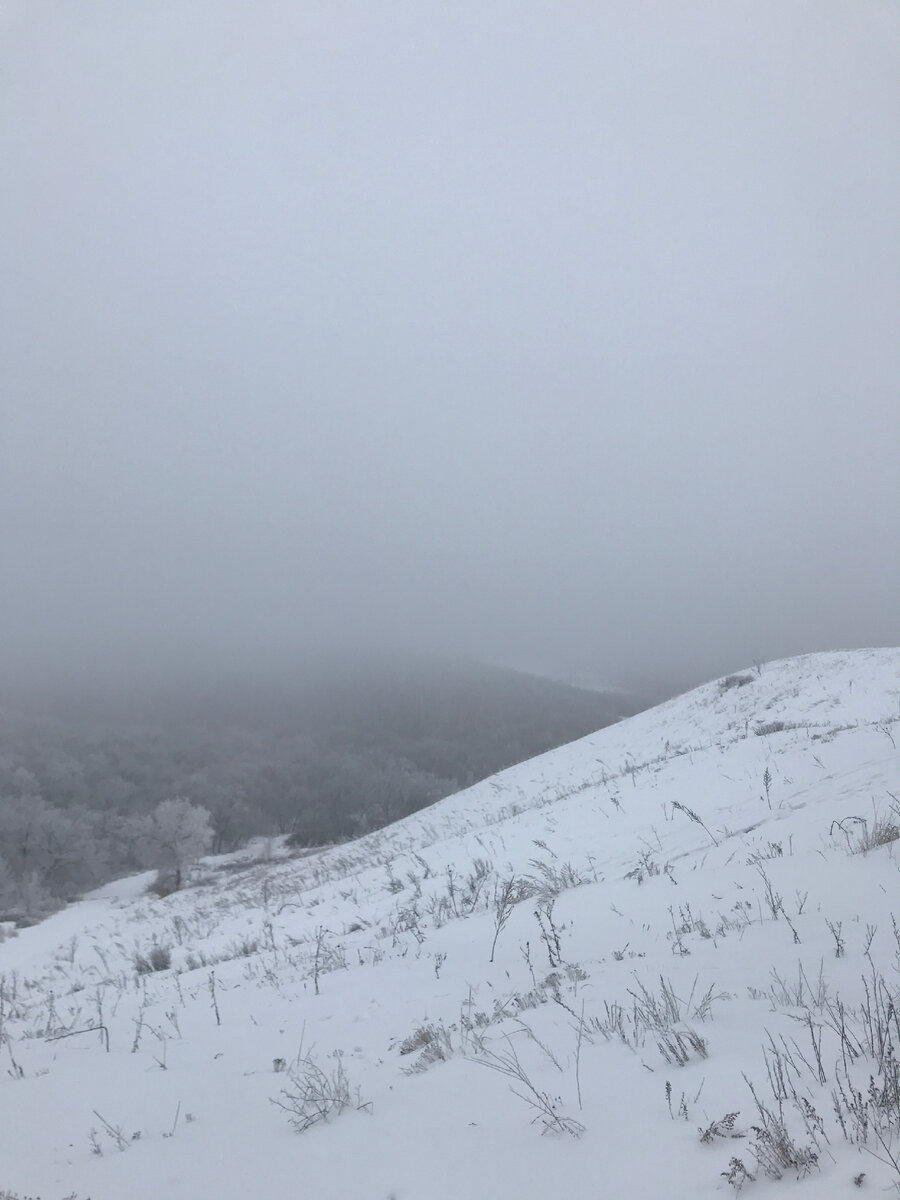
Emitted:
<point x="157" y="958"/>
<point x="883" y="829"/>
<point x="678" y="1045"/>
<point x="434" y="1043"/>
<point x="734" y="681"/>
<point x="776" y="1149"/>
<point x="737" y="1174"/>
<point x="315" y="1094"/>
<point x="723" y="1128"/>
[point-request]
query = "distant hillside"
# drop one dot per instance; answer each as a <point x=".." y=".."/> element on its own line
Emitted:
<point x="340" y="749"/>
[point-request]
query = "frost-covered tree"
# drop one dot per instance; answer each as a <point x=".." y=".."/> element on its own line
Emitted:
<point x="174" y="835"/>
<point x="47" y="851"/>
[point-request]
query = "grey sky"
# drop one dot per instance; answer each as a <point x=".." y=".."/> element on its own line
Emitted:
<point x="560" y="334"/>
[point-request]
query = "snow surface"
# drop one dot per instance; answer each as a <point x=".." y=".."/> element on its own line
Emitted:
<point x="667" y="865"/>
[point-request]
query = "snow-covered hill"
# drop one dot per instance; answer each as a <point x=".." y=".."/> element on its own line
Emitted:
<point x="693" y="982"/>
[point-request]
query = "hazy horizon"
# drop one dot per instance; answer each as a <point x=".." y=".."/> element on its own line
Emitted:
<point x="563" y="338"/>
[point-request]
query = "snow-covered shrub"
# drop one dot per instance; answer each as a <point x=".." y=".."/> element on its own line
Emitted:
<point x="776" y="1148"/>
<point x="315" y="1094"/>
<point x="734" y="681"/>
<point x="157" y="958"/>
<point x="434" y="1044"/>
<point x="883" y="829"/>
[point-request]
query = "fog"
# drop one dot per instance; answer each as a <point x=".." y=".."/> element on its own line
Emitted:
<point x="561" y="336"/>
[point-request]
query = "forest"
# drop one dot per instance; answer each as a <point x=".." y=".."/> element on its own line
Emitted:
<point x="341" y="749"/>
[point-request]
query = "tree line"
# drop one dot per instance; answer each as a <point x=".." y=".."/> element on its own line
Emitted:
<point x="320" y="760"/>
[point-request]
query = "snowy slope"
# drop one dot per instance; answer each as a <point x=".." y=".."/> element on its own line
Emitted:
<point x="689" y="920"/>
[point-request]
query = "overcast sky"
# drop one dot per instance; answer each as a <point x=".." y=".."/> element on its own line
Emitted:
<point x="565" y="335"/>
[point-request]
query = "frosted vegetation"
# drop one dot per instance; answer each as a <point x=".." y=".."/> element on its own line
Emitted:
<point x="339" y="751"/>
<point x="663" y="960"/>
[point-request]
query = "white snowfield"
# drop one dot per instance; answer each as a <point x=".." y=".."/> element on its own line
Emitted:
<point x="691" y="991"/>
